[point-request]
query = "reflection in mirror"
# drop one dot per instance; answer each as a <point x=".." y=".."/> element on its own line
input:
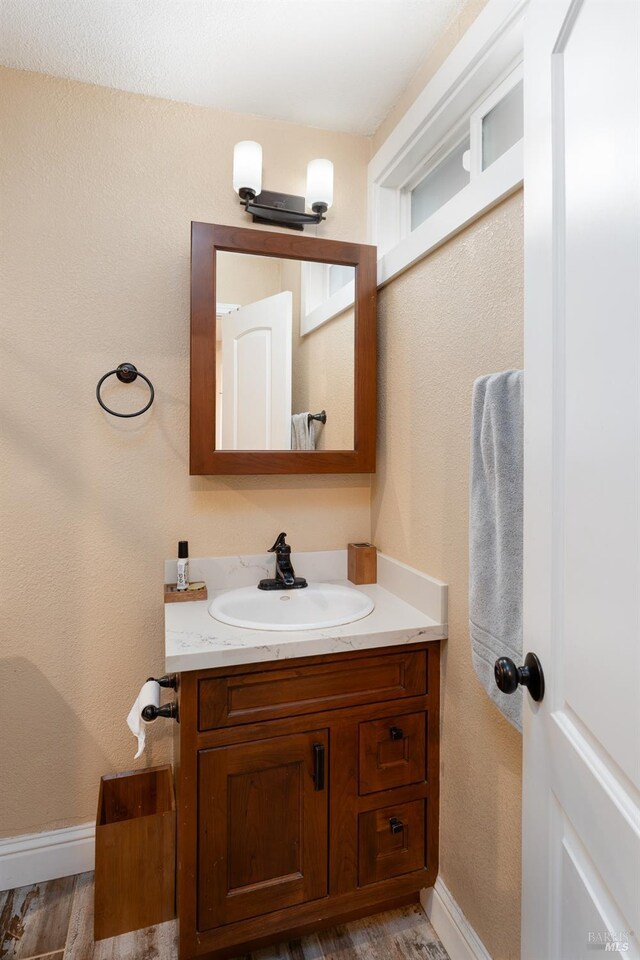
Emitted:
<point x="285" y="335"/>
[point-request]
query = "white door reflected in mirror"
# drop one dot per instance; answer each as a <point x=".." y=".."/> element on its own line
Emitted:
<point x="254" y="376"/>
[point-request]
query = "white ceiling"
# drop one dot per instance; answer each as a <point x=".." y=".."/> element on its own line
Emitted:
<point x="336" y="64"/>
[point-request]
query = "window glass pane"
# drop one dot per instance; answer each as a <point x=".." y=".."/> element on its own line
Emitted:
<point x="339" y="277"/>
<point x="502" y="126"/>
<point x="442" y="183"/>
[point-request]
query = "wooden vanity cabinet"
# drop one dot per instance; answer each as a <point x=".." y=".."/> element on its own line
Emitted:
<point x="307" y="794"/>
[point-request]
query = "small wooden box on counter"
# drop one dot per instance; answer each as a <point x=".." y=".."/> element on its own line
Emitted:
<point x="195" y="591"/>
<point x="135" y="851"/>
<point x="362" y="563"/>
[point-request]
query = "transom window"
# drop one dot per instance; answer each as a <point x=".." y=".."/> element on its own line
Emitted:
<point x="486" y="134"/>
<point x="502" y="126"/>
<point x="458" y="149"/>
<point x="444" y="179"/>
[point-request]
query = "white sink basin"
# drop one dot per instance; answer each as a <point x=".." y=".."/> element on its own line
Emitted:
<point x="318" y="605"/>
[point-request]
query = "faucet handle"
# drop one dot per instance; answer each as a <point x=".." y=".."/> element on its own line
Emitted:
<point x="280" y="544"/>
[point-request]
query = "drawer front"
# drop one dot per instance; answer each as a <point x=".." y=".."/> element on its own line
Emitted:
<point x="392" y="752"/>
<point x="391" y="841"/>
<point x="252" y="697"/>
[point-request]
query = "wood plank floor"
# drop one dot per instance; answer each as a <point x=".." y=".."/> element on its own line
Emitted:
<point x="54" y="921"/>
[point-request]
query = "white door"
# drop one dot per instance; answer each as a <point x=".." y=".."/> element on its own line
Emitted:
<point x="581" y="809"/>
<point x="255" y="406"/>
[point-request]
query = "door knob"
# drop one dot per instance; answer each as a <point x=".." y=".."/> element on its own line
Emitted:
<point x="396" y="733"/>
<point x="509" y="677"/>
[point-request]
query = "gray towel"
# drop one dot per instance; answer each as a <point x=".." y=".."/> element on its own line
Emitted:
<point x="495" y="532"/>
<point x="303" y="432"/>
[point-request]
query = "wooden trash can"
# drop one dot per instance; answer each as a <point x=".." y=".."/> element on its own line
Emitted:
<point x="135" y="879"/>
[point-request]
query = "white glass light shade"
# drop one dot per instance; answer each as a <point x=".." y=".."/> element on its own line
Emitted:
<point x="247" y="166"/>
<point x="319" y="183"/>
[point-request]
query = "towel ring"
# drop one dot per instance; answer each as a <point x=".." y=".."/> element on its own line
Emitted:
<point x="126" y="373"/>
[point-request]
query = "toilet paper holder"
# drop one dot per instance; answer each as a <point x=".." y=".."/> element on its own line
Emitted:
<point x="169" y="680"/>
<point x="169" y="710"/>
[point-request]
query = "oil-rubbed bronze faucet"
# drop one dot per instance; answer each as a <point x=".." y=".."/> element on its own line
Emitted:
<point x="285" y="578"/>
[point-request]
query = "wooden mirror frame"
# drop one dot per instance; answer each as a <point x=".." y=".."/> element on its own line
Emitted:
<point x="206" y="240"/>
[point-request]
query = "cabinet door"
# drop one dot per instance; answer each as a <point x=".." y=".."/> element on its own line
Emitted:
<point x="263" y="827"/>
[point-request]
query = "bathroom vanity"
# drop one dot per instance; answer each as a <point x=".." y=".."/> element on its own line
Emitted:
<point x="307" y="786"/>
<point x="307" y="748"/>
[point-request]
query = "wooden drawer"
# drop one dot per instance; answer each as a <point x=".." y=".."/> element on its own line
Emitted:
<point x="392" y="752"/>
<point x="391" y="841"/>
<point x="251" y="697"/>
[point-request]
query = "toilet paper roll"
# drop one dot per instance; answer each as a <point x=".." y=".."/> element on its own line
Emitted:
<point x="149" y="696"/>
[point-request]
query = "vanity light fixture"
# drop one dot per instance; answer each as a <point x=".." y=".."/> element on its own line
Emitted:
<point x="281" y="209"/>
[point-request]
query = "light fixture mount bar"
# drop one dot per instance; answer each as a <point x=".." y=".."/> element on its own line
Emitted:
<point x="281" y="209"/>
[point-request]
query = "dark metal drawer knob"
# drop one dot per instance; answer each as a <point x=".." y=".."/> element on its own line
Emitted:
<point x="509" y="677"/>
<point x="396" y="733"/>
<point x="397" y="826"/>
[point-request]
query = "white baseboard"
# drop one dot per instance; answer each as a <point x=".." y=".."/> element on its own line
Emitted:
<point x="46" y="856"/>
<point x="454" y="930"/>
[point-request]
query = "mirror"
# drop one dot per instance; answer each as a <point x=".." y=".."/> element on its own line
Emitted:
<point x="285" y="336"/>
<point x="282" y="353"/>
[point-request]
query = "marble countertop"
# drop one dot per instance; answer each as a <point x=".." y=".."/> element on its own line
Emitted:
<point x="194" y="640"/>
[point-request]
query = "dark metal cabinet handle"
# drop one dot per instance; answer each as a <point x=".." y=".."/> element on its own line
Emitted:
<point x="318" y="766"/>
<point x="396" y="733"/>
<point x="509" y="677"/>
<point x="397" y="826"/>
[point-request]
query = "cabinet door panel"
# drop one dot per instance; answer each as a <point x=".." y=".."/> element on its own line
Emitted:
<point x="262" y="828"/>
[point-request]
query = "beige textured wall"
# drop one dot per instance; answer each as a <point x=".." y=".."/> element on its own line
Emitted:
<point x="97" y="191"/>
<point x="452" y="317"/>
<point x="243" y="279"/>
